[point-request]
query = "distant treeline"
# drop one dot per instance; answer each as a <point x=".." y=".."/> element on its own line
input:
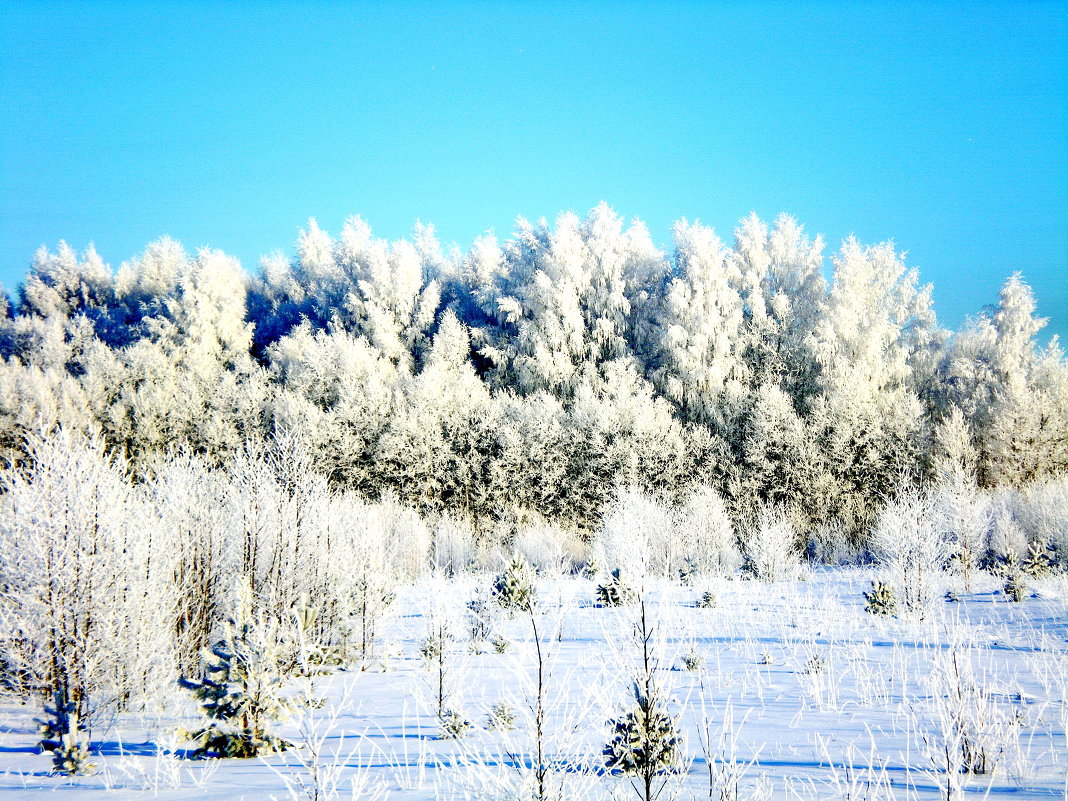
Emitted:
<point x="527" y="379"/>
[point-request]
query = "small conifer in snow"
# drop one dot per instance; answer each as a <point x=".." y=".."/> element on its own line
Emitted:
<point x="880" y="599"/>
<point x="615" y="592"/>
<point x="707" y="600"/>
<point x="646" y="740"/>
<point x="514" y="589"/>
<point x="453" y="725"/>
<point x="63" y="735"/>
<point x="1015" y="588"/>
<point x="501" y="717"/>
<point x="688" y="571"/>
<point x="240" y="692"/>
<point x="1037" y="562"/>
<point x="692" y="661"/>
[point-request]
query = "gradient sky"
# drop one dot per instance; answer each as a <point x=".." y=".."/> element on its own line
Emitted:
<point x="942" y="127"/>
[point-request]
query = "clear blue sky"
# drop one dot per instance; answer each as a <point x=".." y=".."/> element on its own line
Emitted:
<point x="943" y="127"/>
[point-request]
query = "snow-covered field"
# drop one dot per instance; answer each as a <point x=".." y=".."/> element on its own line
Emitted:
<point x="795" y="693"/>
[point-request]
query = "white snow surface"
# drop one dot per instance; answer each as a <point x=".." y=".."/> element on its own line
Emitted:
<point x="821" y="700"/>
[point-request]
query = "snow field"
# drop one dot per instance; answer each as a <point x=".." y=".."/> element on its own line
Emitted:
<point x="798" y="693"/>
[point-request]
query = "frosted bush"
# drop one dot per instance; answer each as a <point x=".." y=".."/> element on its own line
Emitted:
<point x="406" y="532"/>
<point x="911" y="551"/>
<point x="704" y="533"/>
<point x="829" y="544"/>
<point x="638" y="537"/>
<point x="453" y="546"/>
<point x="1043" y="515"/>
<point x="975" y="729"/>
<point x="1007" y="538"/>
<point x="770" y="549"/>
<point x="964" y="516"/>
<point x="549" y="548"/>
<point x="82" y="608"/>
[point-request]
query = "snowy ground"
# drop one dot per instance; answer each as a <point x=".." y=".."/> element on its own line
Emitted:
<point x="800" y="695"/>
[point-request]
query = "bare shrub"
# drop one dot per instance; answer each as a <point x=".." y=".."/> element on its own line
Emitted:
<point x="964" y="516"/>
<point x="975" y="731"/>
<point x="550" y="548"/>
<point x="84" y="613"/>
<point x="452" y="549"/>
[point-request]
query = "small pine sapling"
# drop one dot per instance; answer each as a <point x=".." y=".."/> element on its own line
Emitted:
<point x="692" y="661"/>
<point x="615" y="592"/>
<point x="438" y="652"/>
<point x="501" y="717"/>
<point x="241" y="689"/>
<point x="1037" y="563"/>
<point x="880" y="599"/>
<point x="688" y="571"/>
<point x="1015" y="588"/>
<point x="373" y="596"/>
<point x="453" y="725"/>
<point x="62" y="735"/>
<point x="309" y="656"/>
<point x="479" y="619"/>
<point x="645" y="742"/>
<point x="707" y="600"/>
<point x="514" y="589"/>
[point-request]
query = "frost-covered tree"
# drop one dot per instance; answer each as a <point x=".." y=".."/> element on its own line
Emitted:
<point x="646" y="742"/>
<point x="868" y="420"/>
<point x="337" y="392"/>
<point x="770" y="546"/>
<point x="83" y="608"/>
<point x="527" y="377"/>
<point x="695" y="356"/>
<point x="566" y="300"/>
<point x="61" y="289"/>
<point x="705" y="530"/>
<point x="776" y="452"/>
<point x="358" y="283"/>
<point x="1014" y="394"/>
<point x="186" y="500"/>
<point x="783" y="291"/>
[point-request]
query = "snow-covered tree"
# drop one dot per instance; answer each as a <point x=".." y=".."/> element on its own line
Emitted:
<point x="83" y="608"/>
<point x="698" y="327"/>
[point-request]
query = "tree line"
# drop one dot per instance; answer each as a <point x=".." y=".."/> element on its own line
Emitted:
<point x="528" y="379"/>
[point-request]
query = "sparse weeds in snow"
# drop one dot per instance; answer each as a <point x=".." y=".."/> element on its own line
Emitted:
<point x="975" y="731"/>
<point x="858" y="776"/>
<point x="726" y="770"/>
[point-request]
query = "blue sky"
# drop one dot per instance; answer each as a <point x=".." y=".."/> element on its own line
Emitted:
<point x="943" y="127"/>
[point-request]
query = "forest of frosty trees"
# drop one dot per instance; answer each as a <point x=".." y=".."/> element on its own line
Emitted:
<point x="528" y="380"/>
